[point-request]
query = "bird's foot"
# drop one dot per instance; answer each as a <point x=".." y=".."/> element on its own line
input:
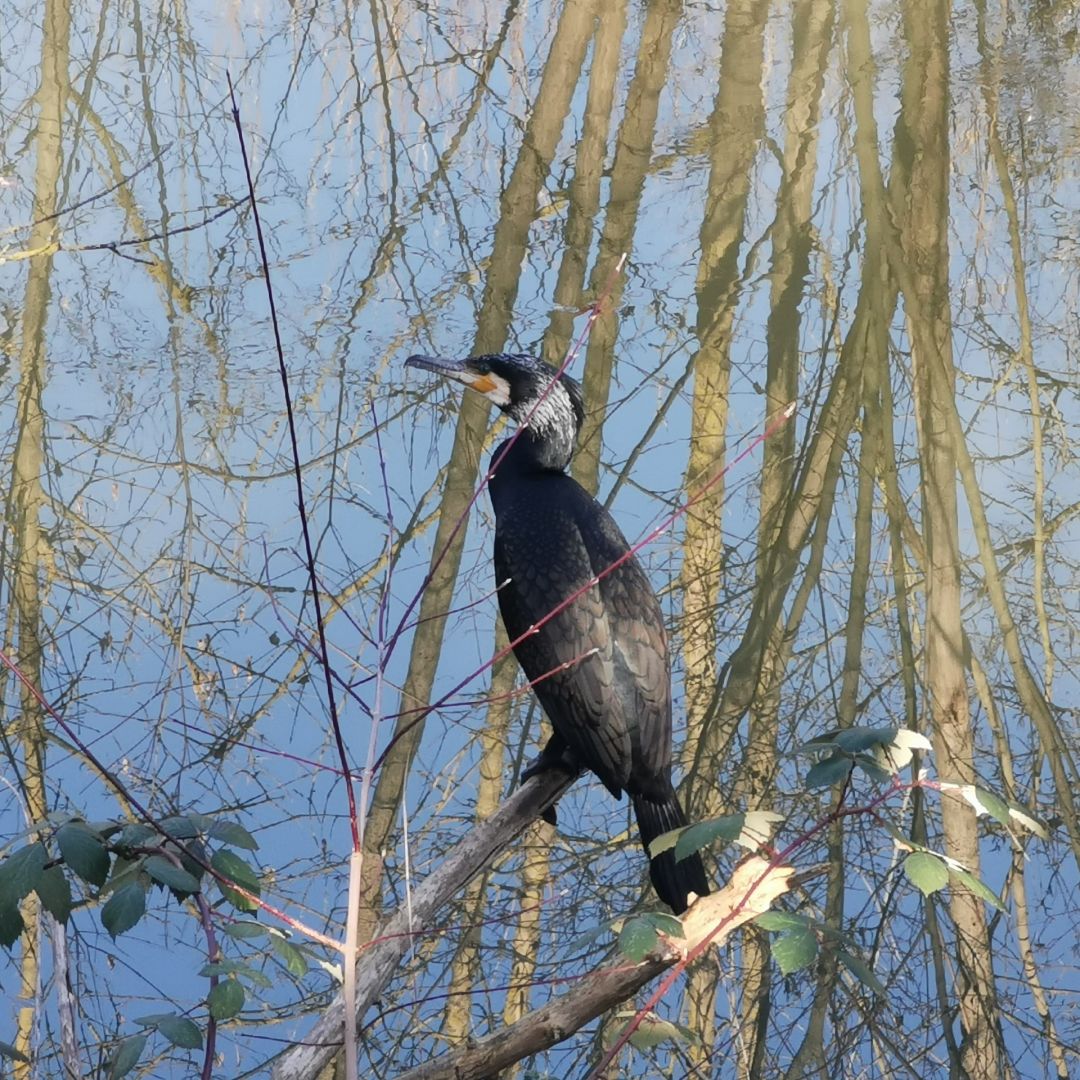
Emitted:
<point x="551" y="757"/>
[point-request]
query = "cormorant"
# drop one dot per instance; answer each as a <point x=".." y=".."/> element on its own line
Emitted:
<point x="610" y="706"/>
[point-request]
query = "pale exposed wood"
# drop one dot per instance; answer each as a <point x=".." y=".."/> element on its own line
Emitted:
<point x="380" y="959"/>
<point x="600" y="990"/>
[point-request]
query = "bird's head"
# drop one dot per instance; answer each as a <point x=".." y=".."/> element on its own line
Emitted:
<point x="528" y="390"/>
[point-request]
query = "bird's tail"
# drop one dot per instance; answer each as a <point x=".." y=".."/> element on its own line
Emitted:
<point x="673" y="881"/>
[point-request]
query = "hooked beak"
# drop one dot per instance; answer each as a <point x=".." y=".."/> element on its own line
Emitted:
<point x="491" y="386"/>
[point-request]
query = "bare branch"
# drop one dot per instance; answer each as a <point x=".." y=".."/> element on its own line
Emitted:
<point x="379" y="961"/>
<point x="601" y="990"/>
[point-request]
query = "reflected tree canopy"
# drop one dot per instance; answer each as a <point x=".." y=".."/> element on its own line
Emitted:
<point x="867" y="209"/>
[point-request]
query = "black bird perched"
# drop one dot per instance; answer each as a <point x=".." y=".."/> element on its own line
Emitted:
<point x="610" y="707"/>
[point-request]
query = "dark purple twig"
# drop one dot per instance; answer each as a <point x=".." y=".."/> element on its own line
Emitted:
<point x="295" y="445"/>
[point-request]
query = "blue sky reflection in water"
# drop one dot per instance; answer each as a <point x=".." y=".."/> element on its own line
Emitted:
<point x="169" y="560"/>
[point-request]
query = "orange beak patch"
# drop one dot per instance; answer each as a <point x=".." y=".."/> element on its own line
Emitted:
<point x="484" y="384"/>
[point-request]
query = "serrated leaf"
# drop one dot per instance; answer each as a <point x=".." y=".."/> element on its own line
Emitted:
<point x="124" y="909"/>
<point x="781" y="920"/>
<point x="223" y="968"/>
<point x="192" y="850"/>
<point x="832" y="770"/>
<point x="152" y="1019"/>
<point x="858" y="740"/>
<point x="978" y="887"/>
<point x="230" y="864"/>
<point x="295" y="961"/>
<point x="185" y="826"/>
<point x="245" y="930"/>
<point x="84" y="852"/>
<point x="127" y="1056"/>
<point x="664" y="923"/>
<point x="9" y="1051"/>
<point x="11" y="925"/>
<point x="180" y="1031"/>
<point x="54" y="892"/>
<point x="695" y="837"/>
<point x="993" y="804"/>
<point x="21" y="871"/>
<point x="861" y="970"/>
<point x="795" y="950"/>
<point x="637" y="939"/>
<point x="135" y="835"/>
<point x="926" y="872"/>
<point x="229" y="832"/>
<point x="225" y="1000"/>
<point x="168" y="873"/>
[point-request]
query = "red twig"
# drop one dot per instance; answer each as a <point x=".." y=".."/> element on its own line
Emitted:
<point x="777" y="859"/>
<point x="787" y="413"/>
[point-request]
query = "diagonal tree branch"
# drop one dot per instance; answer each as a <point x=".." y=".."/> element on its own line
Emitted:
<point x="753" y="888"/>
<point x="378" y="962"/>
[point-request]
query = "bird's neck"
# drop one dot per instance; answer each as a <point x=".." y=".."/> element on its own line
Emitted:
<point x="533" y="452"/>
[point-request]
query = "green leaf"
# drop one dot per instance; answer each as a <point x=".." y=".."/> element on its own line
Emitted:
<point x="180" y="1031"/>
<point x="652" y="1031"/>
<point x="994" y="805"/>
<point x="795" y="950"/>
<point x="665" y="841"/>
<point x="229" y="832"/>
<point x="245" y="930"/>
<point x="168" y="873"/>
<point x="135" y="835"/>
<point x="84" y="852"/>
<point x="233" y="867"/>
<point x="127" y="1056"/>
<point x="831" y="770"/>
<point x="236" y="967"/>
<point x="185" y="826"/>
<point x="295" y="961"/>
<point x="856" y="740"/>
<point x="54" y="892"/>
<point x="664" y="923"/>
<point x="225" y="1000"/>
<point x="705" y="832"/>
<point x="926" y="872"/>
<point x="872" y="768"/>
<point x="782" y="920"/>
<point x="861" y="970"/>
<point x="21" y="871"/>
<point x="978" y="887"/>
<point x="194" y="849"/>
<point x="818" y="743"/>
<point x="222" y="967"/>
<point x="9" y="1051"/>
<point x="11" y="924"/>
<point x="637" y="939"/>
<point x="124" y="909"/>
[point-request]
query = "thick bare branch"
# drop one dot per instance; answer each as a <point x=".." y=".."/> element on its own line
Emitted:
<point x="378" y="962"/>
<point x="600" y="990"/>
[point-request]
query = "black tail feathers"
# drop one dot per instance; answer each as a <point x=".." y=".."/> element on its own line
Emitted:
<point x="673" y="881"/>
